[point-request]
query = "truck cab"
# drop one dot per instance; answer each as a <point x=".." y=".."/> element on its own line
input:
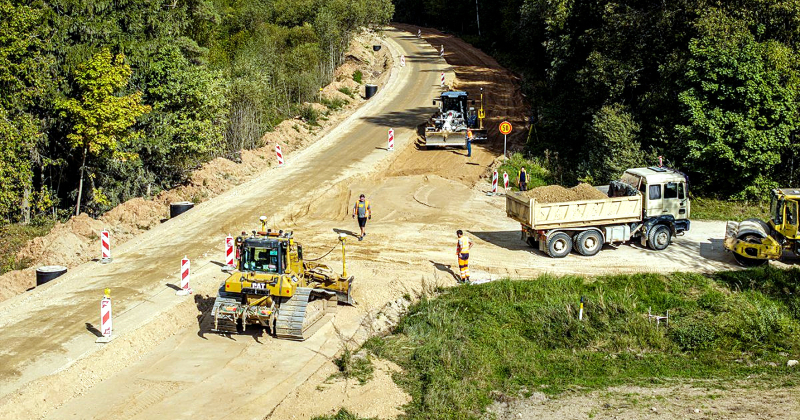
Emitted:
<point x="665" y="197"/>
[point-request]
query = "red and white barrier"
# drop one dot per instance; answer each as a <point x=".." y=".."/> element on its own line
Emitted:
<point x="442" y="79"/>
<point x="229" y="260"/>
<point x="391" y="139"/>
<point x="441" y="53"/>
<point x="105" y="318"/>
<point x="505" y="180"/>
<point x="402" y="60"/>
<point x="105" y="247"/>
<point x="494" y="182"/>
<point x="185" y="272"/>
<point x="279" y="153"/>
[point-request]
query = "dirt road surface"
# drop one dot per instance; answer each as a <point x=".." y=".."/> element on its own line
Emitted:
<point x="164" y="361"/>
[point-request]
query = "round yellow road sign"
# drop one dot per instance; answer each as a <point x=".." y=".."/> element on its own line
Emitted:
<point x="505" y="127"/>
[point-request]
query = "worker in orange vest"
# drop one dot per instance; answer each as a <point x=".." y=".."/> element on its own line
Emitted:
<point x="462" y="251"/>
<point x="470" y="137"/>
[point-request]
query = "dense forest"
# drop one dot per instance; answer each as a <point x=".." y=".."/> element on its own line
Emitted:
<point x="102" y="101"/>
<point x="710" y="85"/>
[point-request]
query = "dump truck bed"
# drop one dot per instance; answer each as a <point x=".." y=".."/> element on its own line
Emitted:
<point x="573" y="214"/>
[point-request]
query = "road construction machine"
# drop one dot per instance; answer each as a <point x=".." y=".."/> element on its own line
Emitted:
<point x="449" y="125"/>
<point x="272" y="286"/>
<point x="754" y="242"/>
<point x="649" y="204"/>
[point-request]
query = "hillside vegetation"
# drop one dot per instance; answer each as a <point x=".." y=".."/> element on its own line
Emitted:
<point x="710" y="85"/>
<point x="102" y="101"/>
<point x="472" y="345"/>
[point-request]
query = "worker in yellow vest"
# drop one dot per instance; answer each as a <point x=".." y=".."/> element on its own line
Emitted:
<point x="462" y="251"/>
<point x="470" y="137"/>
<point x="364" y="212"/>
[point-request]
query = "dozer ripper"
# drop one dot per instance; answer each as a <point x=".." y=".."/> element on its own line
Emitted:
<point x="273" y="287"/>
<point x="754" y="242"/>
<point x="448" y="127"/>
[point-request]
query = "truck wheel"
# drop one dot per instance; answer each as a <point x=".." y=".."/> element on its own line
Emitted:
<point x="659" y="237"/>
<point x="559" y="245"/>
<point x="589" y="242"/>
<point x="532" y="242"/>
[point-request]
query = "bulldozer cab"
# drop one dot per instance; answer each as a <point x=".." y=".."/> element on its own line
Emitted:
<point x="783" y="211"/>
<point x="454" y="101"/>
<point x="270" y="255"/>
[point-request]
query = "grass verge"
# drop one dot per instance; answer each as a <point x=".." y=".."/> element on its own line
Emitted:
<point x="343" y="414"/>
<point x="12" y="238"/>
<point x="472" y="343"/>
<point x="714" y="209"/>
<point x="538" y="175"/>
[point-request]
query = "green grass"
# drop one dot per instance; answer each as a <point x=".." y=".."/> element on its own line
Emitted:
<point x="13" y="237"/>
<point x="357" y="76"/>
<point x="334" y="104"/>
<point x="538" y="175"/>
<point x="342" y="415"/>
<point x="715" y="209"/>
<point x="347" y="91"/>
<point x="515" y="337"/>
<point x="353" y="367"/>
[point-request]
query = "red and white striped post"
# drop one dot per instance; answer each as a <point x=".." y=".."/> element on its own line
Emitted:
<point x="105" y="247"/>
<point x="185" y="271"/>
<point x="441" y="53"/>
<point x="279" y="153"/>
<point x="105" y="318"/>
<point x="442" y="79"/>
<point x="402" y="60"/>
<point x="229" y="257"/>
<point x="494" y="182"/>
<point x="505" y="180"/>
<point x="391" y="139"/>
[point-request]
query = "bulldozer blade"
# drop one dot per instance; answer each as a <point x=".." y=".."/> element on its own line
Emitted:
<point x="346" y="298"/>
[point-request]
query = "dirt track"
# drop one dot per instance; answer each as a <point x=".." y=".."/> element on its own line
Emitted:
<point x="164" y="362"/>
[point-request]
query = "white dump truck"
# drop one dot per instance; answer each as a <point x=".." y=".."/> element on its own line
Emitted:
<point x="651" y="204"/>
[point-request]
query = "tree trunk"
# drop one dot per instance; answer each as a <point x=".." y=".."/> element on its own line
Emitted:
<point x="80" y="184"/>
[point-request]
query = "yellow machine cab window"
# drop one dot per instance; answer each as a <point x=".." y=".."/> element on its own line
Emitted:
<point x="266" y="260"/>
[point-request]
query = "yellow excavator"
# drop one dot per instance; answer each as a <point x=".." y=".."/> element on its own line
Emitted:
<point x="754" y="242"/>
<point x="273" y="287"/>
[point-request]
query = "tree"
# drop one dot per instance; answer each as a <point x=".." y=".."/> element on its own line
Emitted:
<point x="741" y="105"/>
<point x="101" y="120"/>
<point x="613" y="143"/>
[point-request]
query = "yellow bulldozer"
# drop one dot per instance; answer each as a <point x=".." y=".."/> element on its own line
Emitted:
<point x="273" y="287"/>
<point x="754" y="242"/>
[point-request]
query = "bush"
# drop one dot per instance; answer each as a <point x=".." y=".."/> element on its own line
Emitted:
<point x="538" y="175"/>
<point x="347" y="91"/>
<point x="357" y="76"/>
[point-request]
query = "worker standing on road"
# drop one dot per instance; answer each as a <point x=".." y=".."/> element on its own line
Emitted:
<point x="364" y="212"/>
<point x="523" y="179"/>
<point x="470" y="137"/>
<point x="462" y="250"/>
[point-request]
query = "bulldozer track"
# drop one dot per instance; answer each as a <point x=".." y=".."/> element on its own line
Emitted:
<point x="291" y="323"/>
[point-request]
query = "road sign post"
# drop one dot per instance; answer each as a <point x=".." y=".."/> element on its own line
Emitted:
<point x="505" y="129"/>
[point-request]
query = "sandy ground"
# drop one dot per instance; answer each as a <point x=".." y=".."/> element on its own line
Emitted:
<point x="164" y="361"/>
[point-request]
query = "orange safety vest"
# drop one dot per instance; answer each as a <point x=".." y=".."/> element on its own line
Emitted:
<point x="362" y="205"/>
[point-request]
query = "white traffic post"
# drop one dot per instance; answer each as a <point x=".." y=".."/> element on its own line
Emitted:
<point x="105" y="247"/>
<point x="185" y="271"/>
<point x="229" y="257"/>
<point x="505" y="181"/>
<point x="494" y="182"/>
<point x="442" y="79"/>
<point x="402" y="60"/>
<point x="391" y="139"/>
<point x="279" y="153"/>
<point x="105" y="318"/>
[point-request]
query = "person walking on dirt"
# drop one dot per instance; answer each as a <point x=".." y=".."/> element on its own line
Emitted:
<point x="364" y="212"/>
<point x="470" y="137"/>
<point x="523" y="179"/>
<point x="462" y="251"/>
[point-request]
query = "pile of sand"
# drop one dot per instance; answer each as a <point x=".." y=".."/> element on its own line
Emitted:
<point x="557" y="193"/>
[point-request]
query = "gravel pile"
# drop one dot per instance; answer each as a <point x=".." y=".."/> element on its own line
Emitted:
<point x="557" y="193"/>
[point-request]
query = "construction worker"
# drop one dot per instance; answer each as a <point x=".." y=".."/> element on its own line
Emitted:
<point x="523" y="179"/>
<point x="364" y="212"/>
<point x="462" y="251"/>
<point x="470" y="137"/>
